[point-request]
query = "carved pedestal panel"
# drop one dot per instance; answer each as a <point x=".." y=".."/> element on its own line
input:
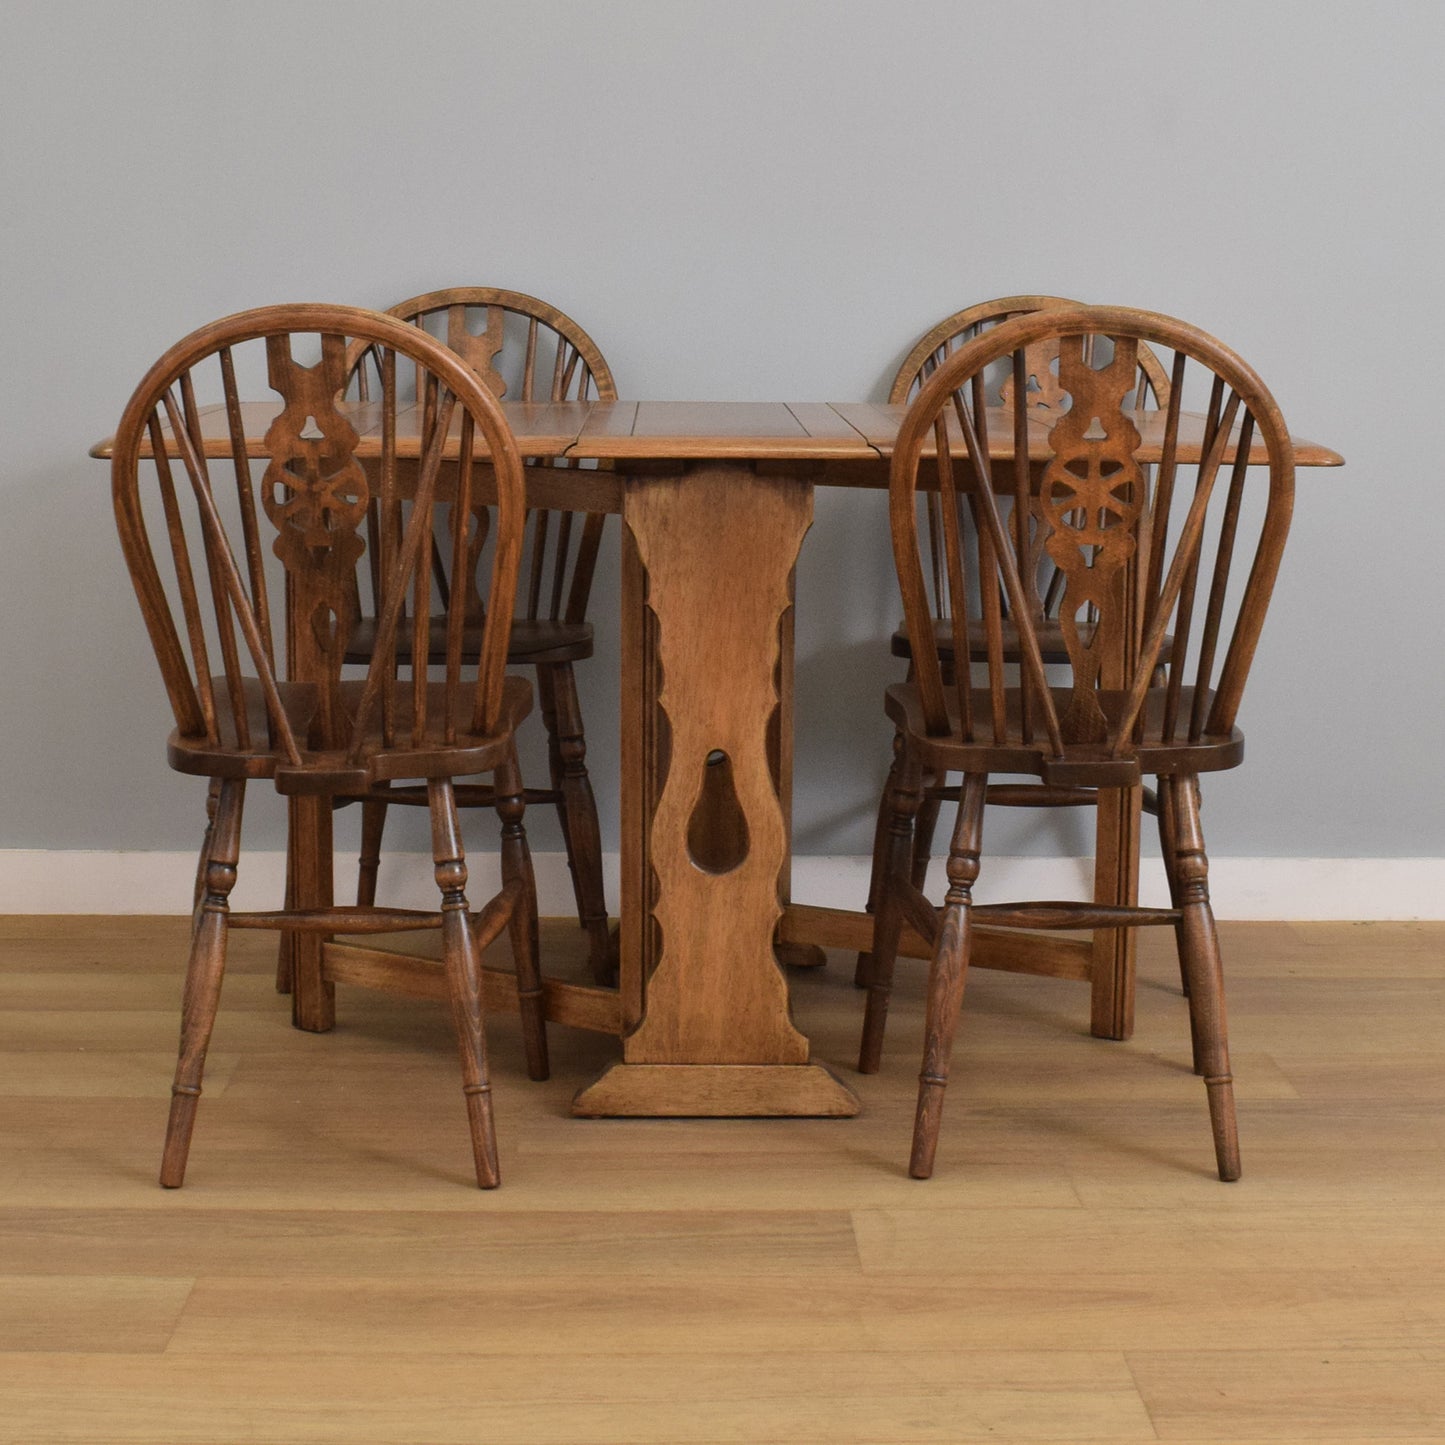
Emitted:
<point x="701" y="682"/>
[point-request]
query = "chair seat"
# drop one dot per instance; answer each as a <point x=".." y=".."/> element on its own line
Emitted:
<point x="1050" y="634"/>
<point x="1082" y="763"/>
<point x="323" y="771"/>
<point x="541" y="641"/>
<point x="531" y="641"/>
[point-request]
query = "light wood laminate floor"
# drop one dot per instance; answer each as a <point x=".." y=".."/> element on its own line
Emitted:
<point x="1073" y="1272"/>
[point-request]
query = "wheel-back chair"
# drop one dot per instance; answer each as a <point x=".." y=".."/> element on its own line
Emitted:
<point x="1044" y="594"/>
<point x="250" y="584"/>
<point x="523" y="350"/>
<point x="1167" y="565"/>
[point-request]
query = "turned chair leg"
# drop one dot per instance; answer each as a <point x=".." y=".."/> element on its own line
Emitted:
<point x="927" y="821"/>
<point x="1168" y="796"/>
<point x="948" y="973"/>
<point x="547" y="706"/>
<point x="522" y="927"/>
<point x="862" y="968"/>
<point x="1199" y="955"/>
<point x="213" y="800"/>
<point x="204" y="972"/>
<point x="577" y="808"/>
<point x="1167" y="833"/>
<point x="286" y="944"/>
<point x="924" y="827"/>
<point x="902" y="800"/>
<point x="373" y="826"/>
<point x="463" y="968"/>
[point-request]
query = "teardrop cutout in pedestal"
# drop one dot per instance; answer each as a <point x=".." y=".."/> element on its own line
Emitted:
<point x="717" y="832"/>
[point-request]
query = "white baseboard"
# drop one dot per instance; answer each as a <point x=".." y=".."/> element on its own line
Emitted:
<point x="58" y="881"/>
<point x="1295" y="889"/>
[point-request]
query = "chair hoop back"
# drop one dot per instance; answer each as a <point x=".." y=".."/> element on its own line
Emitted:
<point x="233" y="630"/>
<point x="524" y="350"/>
<point x="937" y="344"/>
<point x="1099" y="488"/>
<point x="941" y="341"/>
<point x="1040" y="368"/>
<point x="577" y="368"/>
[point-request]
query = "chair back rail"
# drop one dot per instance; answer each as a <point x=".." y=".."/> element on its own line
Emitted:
<point x="939" y="343"/>
<point x="1144" y="552"/>
<point x="199" y="558"/>
<point x="523" y="350"/>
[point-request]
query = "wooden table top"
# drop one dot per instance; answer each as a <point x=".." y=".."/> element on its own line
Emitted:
<point x="761" y="431"/>
<point x="878" y="422"/>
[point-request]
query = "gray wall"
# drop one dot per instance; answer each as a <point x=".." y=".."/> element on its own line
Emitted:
<point x="742" y="200"/>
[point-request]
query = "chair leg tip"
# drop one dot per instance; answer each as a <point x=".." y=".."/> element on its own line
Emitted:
<point x="538" y="1055"/>
<point x="870" y="1052"/>
<point x="920" y="1161"/>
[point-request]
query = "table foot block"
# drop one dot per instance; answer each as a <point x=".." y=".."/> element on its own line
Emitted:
<point x="692" y="1091"/>
<point x="800" y="955"/>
